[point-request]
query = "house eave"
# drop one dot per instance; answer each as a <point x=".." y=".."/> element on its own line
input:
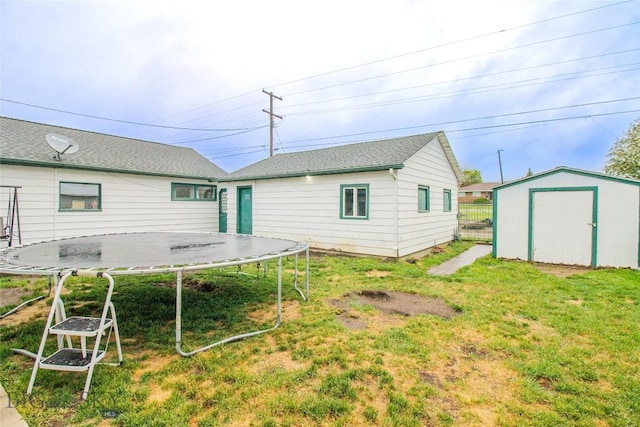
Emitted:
<point x="298" y="174"/>
<point x="34" y="163"/>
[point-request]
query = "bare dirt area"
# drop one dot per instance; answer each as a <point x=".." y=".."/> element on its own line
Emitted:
<point x="562" y="271"/>
<point x="12" y="296"/>
<point x="389" y="303"/>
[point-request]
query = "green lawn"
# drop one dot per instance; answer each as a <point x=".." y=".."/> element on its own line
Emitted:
<point x="530" y="346"/>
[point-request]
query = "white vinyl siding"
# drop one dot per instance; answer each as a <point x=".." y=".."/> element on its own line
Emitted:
<point x="129" y="203"/>
<point x="417" y="231"/>
<point x="308" y="209"/>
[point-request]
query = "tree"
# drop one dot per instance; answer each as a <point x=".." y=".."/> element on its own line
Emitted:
<point x="624" y="155"/>
<point x="471" y="176"/>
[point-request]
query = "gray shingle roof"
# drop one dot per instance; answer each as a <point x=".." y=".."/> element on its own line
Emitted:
<point x="23" y="142"/>
<point x="364" y="156"/>
<point x="481" y="186"/>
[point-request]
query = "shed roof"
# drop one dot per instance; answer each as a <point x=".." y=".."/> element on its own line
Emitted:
<point x="23" y="143"/>
<point x="360" y="157"/>
<point x="566" y="169"/>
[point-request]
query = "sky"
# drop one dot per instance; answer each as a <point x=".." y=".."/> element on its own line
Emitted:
<point x="516" y="85"/>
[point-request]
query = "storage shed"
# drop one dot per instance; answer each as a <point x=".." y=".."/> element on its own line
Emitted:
<point x="569" y="216"/>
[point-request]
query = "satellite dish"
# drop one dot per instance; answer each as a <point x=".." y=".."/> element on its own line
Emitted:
<point x="61" y="144"/>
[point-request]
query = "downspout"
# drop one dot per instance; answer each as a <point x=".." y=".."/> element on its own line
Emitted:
<point x="394" y="175"/>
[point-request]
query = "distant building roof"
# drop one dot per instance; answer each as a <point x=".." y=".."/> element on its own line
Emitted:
<point x="359" y="157"/>
<point x="482" y="186"/>
<point x="23" y="142"/>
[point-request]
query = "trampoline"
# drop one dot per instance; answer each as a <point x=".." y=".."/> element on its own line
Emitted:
<point x="157" y="252"/>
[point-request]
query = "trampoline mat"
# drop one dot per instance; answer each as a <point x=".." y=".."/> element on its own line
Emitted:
<point x="144" y="250"/>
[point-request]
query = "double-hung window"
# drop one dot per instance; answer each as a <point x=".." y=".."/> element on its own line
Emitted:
<point x="354" y="201"/>
<point x="79" y="196"/>
<point x="423" y="198"/>
<point x="447" y="200"/>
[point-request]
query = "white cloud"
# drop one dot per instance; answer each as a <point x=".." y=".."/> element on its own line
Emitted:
<point x="145" y="60"/>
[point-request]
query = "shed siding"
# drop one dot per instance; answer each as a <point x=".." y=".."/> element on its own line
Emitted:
<point x="421" y="230"/>
<point x="130" y="203"/>
<point x="617" y="225"/>
<point x="308" y="209"/>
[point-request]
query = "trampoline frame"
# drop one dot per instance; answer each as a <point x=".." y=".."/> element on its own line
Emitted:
<point x="298" y="248"/>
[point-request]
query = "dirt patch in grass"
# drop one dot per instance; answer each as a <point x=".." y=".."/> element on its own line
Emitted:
<point x="388" y="303"/>
<point x="470" y="380"/>
<point x="36" y="310"/>
<point x="377" y="273"/>
<point x="290" y="311"/>
<point x="151" y="362"/>
<point x="12" y="296"/>
<point x="562" y="271"/>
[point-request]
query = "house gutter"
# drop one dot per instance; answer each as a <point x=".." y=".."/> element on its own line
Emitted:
<point x="38" y="164"/>
<point x="298" y="174"/>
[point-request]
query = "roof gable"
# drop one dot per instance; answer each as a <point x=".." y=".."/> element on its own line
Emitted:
<point x="566" y="169"/>
<point x="360" y="157"/>
<point x="23" y="142"/>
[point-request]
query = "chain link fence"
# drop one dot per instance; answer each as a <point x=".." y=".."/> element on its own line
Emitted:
<point x="475" y="221"/>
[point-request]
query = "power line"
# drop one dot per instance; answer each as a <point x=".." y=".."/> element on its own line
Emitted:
<point x="250" y="129"/>
<point x="464" y="58"/>
<point x="458" y="80"/>
<point x="431" y="125"/>
<point x="121" y="121"/>
<point x="468" y="120"/>
<point x="485" y="89"/>
<point x="505" y="125"/>
<point x="477" y="37"/>
<point x="396" y="57"/>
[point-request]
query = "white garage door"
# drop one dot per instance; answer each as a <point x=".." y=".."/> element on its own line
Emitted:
<point x="562" y="227"/>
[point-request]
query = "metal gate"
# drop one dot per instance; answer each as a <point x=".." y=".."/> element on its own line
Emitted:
<point x="475" y="221"/>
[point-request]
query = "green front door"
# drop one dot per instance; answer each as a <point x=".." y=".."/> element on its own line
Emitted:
<point x="222" y="211"/>
<point x="244" y="225"/>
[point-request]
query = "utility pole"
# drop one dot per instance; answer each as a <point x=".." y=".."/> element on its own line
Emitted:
<point x="271" y="116"/>
<point x="500" y="164"/>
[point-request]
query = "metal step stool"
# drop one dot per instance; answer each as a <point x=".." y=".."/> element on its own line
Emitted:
<point x="68" y="358"/>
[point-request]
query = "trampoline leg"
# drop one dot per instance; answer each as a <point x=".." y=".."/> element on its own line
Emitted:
<point x="179" y="312"/>
<point x="226" y="340"/>
<point x="305" y="294"/>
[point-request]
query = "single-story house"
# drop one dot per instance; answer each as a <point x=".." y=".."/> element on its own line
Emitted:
<point x="102" y="183"/>
<point x="391" y="198"/>
<point x="472" y="192"/>
<point x="569" y="216"/>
